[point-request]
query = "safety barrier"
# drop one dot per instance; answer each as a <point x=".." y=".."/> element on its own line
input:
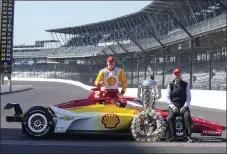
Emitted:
<point x="201" y="98"/>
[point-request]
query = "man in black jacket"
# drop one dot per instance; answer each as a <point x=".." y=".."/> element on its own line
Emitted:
<point x="178" y="99"/>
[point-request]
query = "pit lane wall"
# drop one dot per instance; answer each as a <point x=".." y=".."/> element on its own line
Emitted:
<point x="5" y="89"/>
<point x="201" y="98"/>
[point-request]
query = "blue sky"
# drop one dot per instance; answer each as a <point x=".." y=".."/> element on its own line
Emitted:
<point x="33" y="18"/>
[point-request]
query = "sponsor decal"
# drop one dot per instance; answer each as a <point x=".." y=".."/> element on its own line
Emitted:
<point x="64" y="104"/>
<point x="66" y="118"/>
<point x="111" y="81"/>
<point x="212" y="132"/>
<point x="110" y="121"/>
<point x="138" y="108"/>
<point x="60" y="128"/>
<point x="76" y="108"/>
<point x="112" y="101"/>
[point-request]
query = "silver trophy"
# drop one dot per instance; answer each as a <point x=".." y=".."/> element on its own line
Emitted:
<point x="148" y="92"/>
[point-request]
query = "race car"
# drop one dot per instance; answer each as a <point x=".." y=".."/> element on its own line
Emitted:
<point x="96" y="114"/>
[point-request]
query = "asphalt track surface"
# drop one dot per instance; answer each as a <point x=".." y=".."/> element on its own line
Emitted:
<point x="46" y="93"/>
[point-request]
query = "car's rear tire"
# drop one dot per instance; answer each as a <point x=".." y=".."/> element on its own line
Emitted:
<point x="38" y="122"/>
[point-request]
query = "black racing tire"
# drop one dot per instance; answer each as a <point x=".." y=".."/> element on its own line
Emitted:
<point x="38" y="122"/>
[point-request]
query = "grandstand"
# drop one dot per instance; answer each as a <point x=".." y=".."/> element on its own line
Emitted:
<point x="156" y="39"/>
<point x="41" y="49"/>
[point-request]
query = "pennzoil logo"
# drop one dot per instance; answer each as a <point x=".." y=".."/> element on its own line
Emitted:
<point x="111" y="81"/>
<point x="110" y="121"/>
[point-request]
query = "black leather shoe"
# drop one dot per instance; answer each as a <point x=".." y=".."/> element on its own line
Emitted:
<point x="189" y="139"/>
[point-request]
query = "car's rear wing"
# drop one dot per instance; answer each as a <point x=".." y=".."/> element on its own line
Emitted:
<point x="18" y="112"/>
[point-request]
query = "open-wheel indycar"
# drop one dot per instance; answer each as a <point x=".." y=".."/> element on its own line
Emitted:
<point x="102" y="115"/>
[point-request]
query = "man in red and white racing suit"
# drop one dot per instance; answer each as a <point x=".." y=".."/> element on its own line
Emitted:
<point x="110" y="77"/>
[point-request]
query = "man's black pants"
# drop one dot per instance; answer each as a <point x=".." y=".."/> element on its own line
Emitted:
<point x="187" y="120"/>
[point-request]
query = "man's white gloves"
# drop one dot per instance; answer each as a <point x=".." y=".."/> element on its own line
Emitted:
<point x="175" y="109"/>
<point x="182" y="110"/>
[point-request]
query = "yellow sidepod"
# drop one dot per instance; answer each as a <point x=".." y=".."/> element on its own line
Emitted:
<point x="114" y="117"/>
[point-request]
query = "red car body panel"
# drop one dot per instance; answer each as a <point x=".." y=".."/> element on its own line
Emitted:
<point x="93" y="98"/>
<point x="206" y="128"/>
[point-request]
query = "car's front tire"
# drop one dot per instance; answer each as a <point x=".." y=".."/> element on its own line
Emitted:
<point x="38" y="122"/>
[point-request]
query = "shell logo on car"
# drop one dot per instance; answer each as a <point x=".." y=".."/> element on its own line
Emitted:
<point x="110" y="121"/>
<point x="111" y="81"/>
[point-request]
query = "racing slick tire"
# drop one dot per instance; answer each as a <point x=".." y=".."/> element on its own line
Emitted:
<point x="38" y="122"/>
<point x="148" y="125"/>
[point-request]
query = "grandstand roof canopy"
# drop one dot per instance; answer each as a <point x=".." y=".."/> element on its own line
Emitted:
<point x="26" y="46"/>
<point x="98" y="25"/>
<point x="160" y="7"/>
<point x="48" y="41"/>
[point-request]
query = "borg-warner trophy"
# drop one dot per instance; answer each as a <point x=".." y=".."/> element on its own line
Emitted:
<point x="148" y="92"/>
<point x="143" y="127"/>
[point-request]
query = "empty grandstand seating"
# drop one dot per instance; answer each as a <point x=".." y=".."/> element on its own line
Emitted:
<point x="204" y="26"/>
<point x="86" y="51"/>
<point x="75" y="71"/>
<point x="80" y="51"/>
<point x="85" y="74"/>
<point x="33" y="53"/>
